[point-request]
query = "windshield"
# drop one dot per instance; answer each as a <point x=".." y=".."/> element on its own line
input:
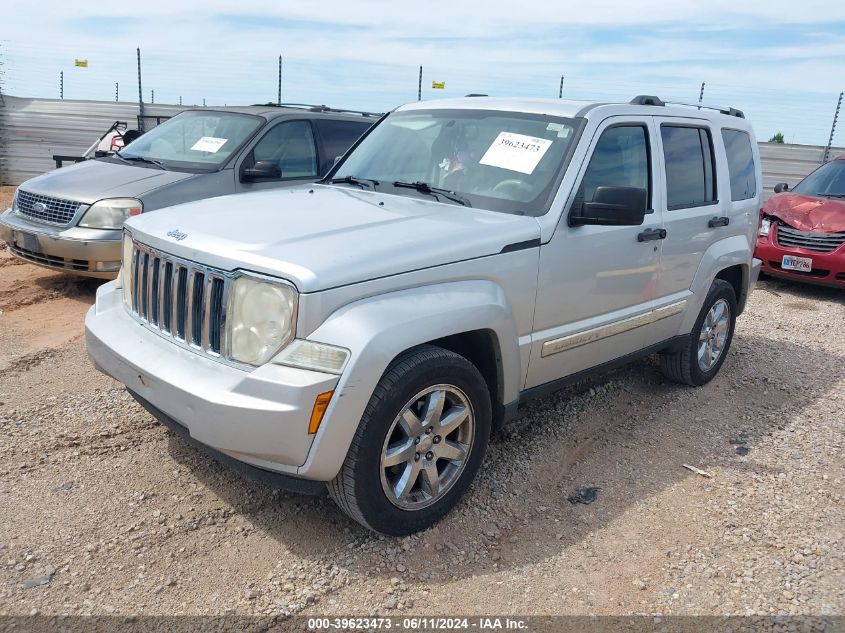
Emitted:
<point x="194" y="140"/>
<point x="827" y="180"/>
<point x="502" y="161"/>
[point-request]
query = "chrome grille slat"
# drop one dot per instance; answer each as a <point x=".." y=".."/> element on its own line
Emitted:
<point x="56" y="211"/>
<point x="179" y="299"/>
<point x="810" y="240"/>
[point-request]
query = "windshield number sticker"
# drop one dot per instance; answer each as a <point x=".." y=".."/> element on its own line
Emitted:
<point x="209" y="144"/>
<point x="516" y="152"/>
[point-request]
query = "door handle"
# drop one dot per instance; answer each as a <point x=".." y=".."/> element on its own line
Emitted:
<point x="716" y="221"/>
<point x="651" y="234"/>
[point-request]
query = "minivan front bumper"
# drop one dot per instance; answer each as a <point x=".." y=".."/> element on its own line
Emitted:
<point x="77" y="250"/>
<point x="259" y="417"/>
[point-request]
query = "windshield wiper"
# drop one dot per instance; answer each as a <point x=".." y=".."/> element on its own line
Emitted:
<point x="424" y="187"/>
<point x="140" y="159"/>
<point x="833" y="195"/>
<point x="354" y="180"/>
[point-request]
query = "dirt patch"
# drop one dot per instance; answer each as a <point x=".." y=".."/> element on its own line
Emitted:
<point x="129" y="519"/>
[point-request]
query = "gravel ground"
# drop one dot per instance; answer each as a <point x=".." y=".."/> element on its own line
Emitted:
<point x="103" y="511"/>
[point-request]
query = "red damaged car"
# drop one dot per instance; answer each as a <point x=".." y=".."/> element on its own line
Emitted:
<point x="802" y="232"/>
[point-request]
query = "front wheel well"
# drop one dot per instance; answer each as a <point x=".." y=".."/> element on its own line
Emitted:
<point x="481" y="348"/>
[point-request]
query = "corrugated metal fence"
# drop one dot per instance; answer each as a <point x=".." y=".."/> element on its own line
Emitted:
<point x="33" y="130"/>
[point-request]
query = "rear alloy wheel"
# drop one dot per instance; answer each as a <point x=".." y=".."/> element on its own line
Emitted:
<point x="704" y="350"/>
<point x="419" y="444"/>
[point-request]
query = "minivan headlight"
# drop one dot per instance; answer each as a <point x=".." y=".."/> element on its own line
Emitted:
<point x="110" y="214"/>
<point x="260" y="319"/>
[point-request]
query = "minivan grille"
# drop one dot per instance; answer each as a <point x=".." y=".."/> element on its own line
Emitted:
<point x="46" y="209"/>
<point x="821" y="242"/>
<point x="180" y="299"/>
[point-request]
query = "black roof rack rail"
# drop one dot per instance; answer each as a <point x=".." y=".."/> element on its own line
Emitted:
<point x="656" y="101"/>
<point x="322" y="108"/>
<point x="476" y="94"/>
<point x="648" y="100"/>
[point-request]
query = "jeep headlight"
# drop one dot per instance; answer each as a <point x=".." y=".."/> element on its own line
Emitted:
<point x="110" y="214"/>
<point x="260" y="319"/>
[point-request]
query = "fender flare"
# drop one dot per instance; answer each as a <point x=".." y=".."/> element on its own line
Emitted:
<point x="730" y="251"/>
<point x="377" y="329"/>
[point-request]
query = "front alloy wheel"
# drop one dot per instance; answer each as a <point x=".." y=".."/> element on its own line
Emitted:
<point x="419" y="444"/>
<point x="427" y="447"/>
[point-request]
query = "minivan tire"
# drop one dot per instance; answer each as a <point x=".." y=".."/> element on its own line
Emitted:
<point x="683" y="366"/>
<point x="361" y="488"/>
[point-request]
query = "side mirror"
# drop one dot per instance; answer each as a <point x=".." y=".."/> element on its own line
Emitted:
<point x="262" y="170"/>
<point x="336" y="160"/>
<point x="781" y="187"/>
<point x="613" y="206"/>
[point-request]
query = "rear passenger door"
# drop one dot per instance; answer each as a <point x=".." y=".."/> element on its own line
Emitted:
<point x="336" y="137"/>
<point x="689" y="170"/>
<point x="289" y="144"/>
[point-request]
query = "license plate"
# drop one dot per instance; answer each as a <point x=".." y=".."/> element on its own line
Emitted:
<point x="27" y="241"/>
<point x="803" y="264"/>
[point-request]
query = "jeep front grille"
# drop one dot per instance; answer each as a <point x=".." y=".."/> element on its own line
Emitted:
<point x="180" y="299"/>
<point x="46" y="209"/>
<point x="821" y="242"/>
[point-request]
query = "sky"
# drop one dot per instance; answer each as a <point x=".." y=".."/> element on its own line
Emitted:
<point x="783" y="63"/>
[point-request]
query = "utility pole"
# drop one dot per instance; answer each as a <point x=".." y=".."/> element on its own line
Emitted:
<point x="140" y="94"/>
<point x="419" y="87"/>
<point x="279" y="92"/>
<point x="61" y="84"/>
<point x="116" y="91"/>
<point x="832" y="129"/>
<point x="560" y="92"/>
<point x="701" y="95"/>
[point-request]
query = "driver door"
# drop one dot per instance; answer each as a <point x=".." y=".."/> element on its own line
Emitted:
<point x="596" y="282"/>
<point x="289" y="144"/>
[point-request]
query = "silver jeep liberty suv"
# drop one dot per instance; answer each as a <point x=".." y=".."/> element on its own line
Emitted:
<point x="367" y="332"/>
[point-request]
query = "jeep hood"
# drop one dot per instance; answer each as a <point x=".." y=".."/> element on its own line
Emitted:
<point x="322" y="236"/>
<point x="808" y="213"/>
<point x="93" y="180"/>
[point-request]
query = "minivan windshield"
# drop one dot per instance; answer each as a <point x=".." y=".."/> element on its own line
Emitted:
<point x="827" y="180"/>
<point x="502" y="161"/>
<point x="194" y="140"/>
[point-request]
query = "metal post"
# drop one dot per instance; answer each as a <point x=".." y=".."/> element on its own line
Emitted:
<point x="203" y="102"/>
<point x="152" y="96"/>
<point x="701" y="95"/>
<point x="180" y="99"/>
<point x="61" y="84"/>
<point x="116" y="91"/>
<point x="279" y="92"/>
<point x="560" y="92"/>
<point x="419" y="87"/>
<point x="140" y="94"/>
<point x="832" y="129"/>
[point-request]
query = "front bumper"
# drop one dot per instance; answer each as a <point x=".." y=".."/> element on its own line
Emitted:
<point x="81" y="251"/>
<point x="259" y="417"/>
<point x="828" y="268"/>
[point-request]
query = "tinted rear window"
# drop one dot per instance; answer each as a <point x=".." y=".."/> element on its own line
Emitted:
<point x="690" y="170"/>
<point x="338" y="136"/>
<point x="740" y="164"/>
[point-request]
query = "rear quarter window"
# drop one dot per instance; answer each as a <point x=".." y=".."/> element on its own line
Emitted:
<point x="740" y="164"/>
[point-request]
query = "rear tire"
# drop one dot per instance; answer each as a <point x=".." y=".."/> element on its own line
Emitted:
<point x="419" y="444"/>
<point x="706" y="347"/>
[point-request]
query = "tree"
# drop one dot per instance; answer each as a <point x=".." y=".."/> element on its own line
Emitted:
<point x="777" y="138"/>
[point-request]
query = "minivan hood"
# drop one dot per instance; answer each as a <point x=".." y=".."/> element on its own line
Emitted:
<point x="93" y="180"/>
<point x="323" y="236"/>
<point x="808" y="213"/>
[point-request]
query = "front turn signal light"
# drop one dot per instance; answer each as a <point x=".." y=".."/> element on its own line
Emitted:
<point x="321" y="403"/>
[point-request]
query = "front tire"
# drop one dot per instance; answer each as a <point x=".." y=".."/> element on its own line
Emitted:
<point x="419" y="445"/>
<point x="706" y="348"/>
